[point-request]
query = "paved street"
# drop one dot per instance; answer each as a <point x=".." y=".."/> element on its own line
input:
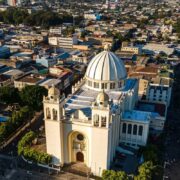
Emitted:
<point x="172" y="147"/>
<point x="14" y="168"/>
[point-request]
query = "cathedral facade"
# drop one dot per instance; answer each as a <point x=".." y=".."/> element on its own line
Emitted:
<point x="89" y="125"/>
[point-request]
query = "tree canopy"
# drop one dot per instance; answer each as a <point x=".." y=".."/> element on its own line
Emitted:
<point x="38" y="18"/>
<point x="33" y="96"/>
<point x="24" y="148"/>
<point x="113" y="175"/>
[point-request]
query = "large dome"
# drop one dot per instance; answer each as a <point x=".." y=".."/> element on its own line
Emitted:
<point x="106" y="68"/>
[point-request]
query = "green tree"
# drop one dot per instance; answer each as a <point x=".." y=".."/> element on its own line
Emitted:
<point x="122" y="175"/>
<point x="33" y="96"/>
<point x="146" y="171"/>
<point x="24" y="148"/>
<point x="113" y="175"/>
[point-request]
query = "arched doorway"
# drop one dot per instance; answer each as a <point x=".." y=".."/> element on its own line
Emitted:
<point x="78" y="147"/>
<point x="79" y="157"/>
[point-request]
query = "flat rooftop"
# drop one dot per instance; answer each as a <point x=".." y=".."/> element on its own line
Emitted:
<point x="13" y="72"/>
<point x="31" y="78"/>
<point x="135" y="115"/>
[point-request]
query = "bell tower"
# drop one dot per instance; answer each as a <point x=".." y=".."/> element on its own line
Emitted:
<point x="53" y="117"/>
<point x="101" y="111"/>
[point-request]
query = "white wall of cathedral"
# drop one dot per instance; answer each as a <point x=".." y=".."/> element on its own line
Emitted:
<point x="70" y="151"/>
<point x="54" y="139"/>
<point x="133" y="133"/>
<point x="96" y="148"/>
<point x="53" y="112"/>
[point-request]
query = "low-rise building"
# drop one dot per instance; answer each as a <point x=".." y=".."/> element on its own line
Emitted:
<point x="64" y="42"/>
<point x="135" y="128"/>
<point x="126" y="47"/>
<point x="28" y="80"/>
<point x="14" y="74"/>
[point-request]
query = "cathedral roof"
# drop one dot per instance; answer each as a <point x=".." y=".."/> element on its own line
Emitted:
<point x="106" y="66"/>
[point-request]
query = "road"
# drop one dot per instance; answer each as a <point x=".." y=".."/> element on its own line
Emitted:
<point x="14" y="168"/>
<point x="172" y="146"/>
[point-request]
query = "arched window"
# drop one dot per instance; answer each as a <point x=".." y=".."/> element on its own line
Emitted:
<point x="124" y="128"/>
<point x="103" y="121"/>
<point x="140" y="130"/>
<point x="48" y="113"/>
<point x="129" y="128"/>
<point x="134" y="129"/>
<point x="54" y="114"/>
<point x="96" y="120"/>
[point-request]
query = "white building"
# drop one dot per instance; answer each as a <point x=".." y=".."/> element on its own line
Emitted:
<point x="64" y="42"/>
<point x="56" y="30"/>
<point x="89" y="125"/>
<point x="160" y="89"/>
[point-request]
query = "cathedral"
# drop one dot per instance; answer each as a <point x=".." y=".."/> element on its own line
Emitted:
<point x="89" y="124"/>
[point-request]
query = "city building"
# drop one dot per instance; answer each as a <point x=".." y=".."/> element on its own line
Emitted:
<point x="28" y="80"/>
<point x="126" y="47"/>
<point x="63" y="42"/>
<point x="160" y="89"/>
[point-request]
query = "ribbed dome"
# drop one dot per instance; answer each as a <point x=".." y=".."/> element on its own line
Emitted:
<point x="106" y="66"/>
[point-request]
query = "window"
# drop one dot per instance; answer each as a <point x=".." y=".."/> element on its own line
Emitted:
<point x="54" y="114"/>
<point x="112" y="85"/>
<point x="102" y="86"/>
<point x="96" y="120"/>
<point x="124" y="128"/>
<point x="140" y="130"/>
<point x="129" y="128"/>
<point x="80" y="137"/>
<point x="134" y="129"/>
<point x="96" y="85"/>
<point x="103" y="121"/>
<point x="48" y="113"/>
